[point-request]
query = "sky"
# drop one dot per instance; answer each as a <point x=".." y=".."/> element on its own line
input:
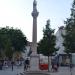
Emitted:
<point x="17" y="14"/>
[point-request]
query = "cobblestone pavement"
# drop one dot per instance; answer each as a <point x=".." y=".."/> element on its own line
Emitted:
<point x="64" y="71"/>
<point x="18" y="70"/>
<point x="8" y="71"/>
<point x="61" y="71"/>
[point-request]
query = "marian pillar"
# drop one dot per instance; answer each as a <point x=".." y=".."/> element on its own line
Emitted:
<point x="34" y="38"/>
<point x="34" y="58"/>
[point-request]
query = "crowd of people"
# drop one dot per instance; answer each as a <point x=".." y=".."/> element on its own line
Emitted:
<point x="4" y="64"/>
<point x="9" y="63"/>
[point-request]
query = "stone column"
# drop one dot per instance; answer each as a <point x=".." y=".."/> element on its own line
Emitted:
<point x="34" y="58"/>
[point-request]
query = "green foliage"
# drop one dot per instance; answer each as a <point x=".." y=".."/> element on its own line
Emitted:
<point x="46" y="45"/>
<point x="69" y="38"/>
<point x="11" y="40"/>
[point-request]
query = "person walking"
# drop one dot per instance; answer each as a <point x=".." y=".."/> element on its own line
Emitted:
<point x="0" y="65"/>
<point x="26" y="64"/>
<point x="12" y="64"/>
<point x="55" y="64"/>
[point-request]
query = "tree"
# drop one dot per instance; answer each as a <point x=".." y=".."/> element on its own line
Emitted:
<point x="11" y="40"/>
<point x="69" y="37"/>
<point x="18" y="39"/>
<point x="46" y="46"/>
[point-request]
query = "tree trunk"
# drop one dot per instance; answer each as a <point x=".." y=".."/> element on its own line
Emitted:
<point x="49" y="63"/>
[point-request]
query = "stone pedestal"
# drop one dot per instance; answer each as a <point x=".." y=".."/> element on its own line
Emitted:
<point x="34" y="62"/>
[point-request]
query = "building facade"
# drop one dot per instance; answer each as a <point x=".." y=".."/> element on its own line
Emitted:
<point x="64" y="59"/>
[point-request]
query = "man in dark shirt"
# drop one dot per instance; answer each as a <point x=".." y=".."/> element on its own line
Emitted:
<point x="26" y="64"/>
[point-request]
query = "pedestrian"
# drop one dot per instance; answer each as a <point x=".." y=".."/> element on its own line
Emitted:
<point x="52" y="63"/>
<point x="55" y="64"/>
<point x="55" y="68"/>
<point x="0" y="65"/>
<point x="5" y="64"/>
<point x="12" y="64"/>
<point x="26" y="64"/>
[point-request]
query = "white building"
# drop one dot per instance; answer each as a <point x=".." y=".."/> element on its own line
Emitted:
<point x="63" y="57"/>
<point x="59" y="40"/>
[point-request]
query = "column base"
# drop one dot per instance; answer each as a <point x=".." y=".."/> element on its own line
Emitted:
<point x="34" y="62"/>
